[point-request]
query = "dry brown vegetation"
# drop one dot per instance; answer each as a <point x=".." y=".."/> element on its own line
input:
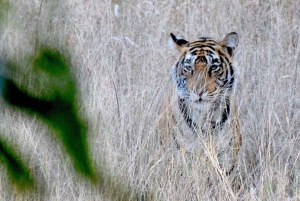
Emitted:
<point x="122" y="64"/>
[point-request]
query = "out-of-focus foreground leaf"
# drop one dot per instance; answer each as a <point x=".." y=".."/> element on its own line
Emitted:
<point x="4" y="6"/>
<point x="58" y="108"/>
<point x="60" y="111"/>
<point x="18" y="173"/>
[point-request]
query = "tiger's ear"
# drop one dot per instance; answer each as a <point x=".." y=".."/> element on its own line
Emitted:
<point x="177" y="43"/>
<point x="230" y="42"/>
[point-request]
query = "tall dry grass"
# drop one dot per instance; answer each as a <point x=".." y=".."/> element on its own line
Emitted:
<point x="122" y="64"/>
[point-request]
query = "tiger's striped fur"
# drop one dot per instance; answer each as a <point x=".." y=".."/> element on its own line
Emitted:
<point x="200" y="102"/>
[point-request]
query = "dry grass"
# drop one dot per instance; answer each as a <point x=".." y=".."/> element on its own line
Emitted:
<point x="122" y="64"/>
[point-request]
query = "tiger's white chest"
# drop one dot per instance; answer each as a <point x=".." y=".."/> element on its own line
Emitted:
<point x="198" y="117"/>
<point x="204" y="113"/>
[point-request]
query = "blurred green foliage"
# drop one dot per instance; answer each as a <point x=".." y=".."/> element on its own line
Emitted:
<point x="60" y="111"/>
<point x="4" y="5"/>
<point x="57" y="106"/>
<point x="18" y="173"/>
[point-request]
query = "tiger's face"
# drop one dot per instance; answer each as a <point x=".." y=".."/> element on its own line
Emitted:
<point x="204" y="68"/>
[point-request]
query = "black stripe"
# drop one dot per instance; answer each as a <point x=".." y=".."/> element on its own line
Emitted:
<point x="209" y="72"/>
<point x="201" y="59"/>
<point x="225" y="114"/>
<point x="229" y="83"/>
<point x="222" y="59"/>
<point x="201" y="47"/>
<point x="184" y="111"/>
<point x="206" y="43"/>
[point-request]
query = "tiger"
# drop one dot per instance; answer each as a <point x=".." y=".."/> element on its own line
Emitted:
<point x="200" y="103"/>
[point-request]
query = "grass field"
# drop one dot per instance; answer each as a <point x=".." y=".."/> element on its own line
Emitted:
<point x="122" y="63"/>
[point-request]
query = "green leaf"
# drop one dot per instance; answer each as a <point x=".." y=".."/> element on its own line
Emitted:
<point x="4" y="7"/>
<point x="58" y="108"/>
<point x="18" y="173"/>
<point x="60" y="111"/>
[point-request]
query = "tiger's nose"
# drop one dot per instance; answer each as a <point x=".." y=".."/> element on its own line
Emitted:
<point x="196" y="96"/>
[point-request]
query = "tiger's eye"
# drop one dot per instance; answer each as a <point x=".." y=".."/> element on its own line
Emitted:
<point x="214" y="67"/>
<point x="188" y="68"/>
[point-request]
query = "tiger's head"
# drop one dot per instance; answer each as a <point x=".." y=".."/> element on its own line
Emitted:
<point x="204" y="68"/>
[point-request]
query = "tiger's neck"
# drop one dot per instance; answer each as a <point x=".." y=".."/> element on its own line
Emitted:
<point x="205" y="116"/>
